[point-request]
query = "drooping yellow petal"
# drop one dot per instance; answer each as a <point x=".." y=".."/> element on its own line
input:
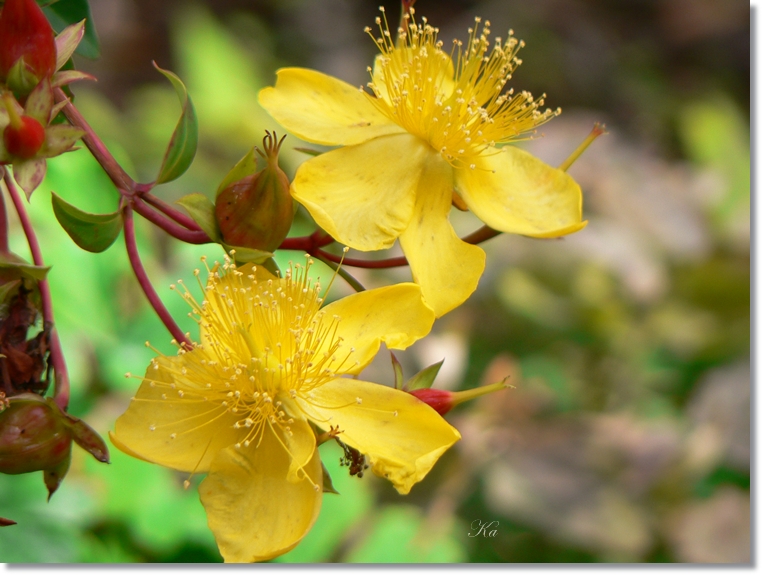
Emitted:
<point x="299" y="439"/>
<point x="253" y="511"/>
<point x="363" y="195"/>
<point x="512" y="191"/>
<point x="182" y="432"/>
<point x="395" y="315"/>
<point x="401" y="436"/>
<point x="322" y="109"/>
<point x="446" y="268"/>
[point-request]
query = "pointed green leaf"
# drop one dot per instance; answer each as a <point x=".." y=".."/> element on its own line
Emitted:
<point x="424" y="378"/>
<point x="327" y="481"/>
<point x="245" y="167"/>
<point x="182" y="147"/>
<point x="66" y="12"/>
<point x="92" y="232"/>
<point x="398" y="377"/>
<point x="309" y="151"/>
<point x="11" y="261"/>
<point x="201" y="209"/>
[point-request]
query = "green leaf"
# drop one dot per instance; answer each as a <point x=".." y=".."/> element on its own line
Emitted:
<point x="424" y="378"/>
<point x="92" y="232"/>
<point x="398" y="377"/>
<point x="309" y="151"/>
<point x="66" y="12"/>
<point x="327" y="481"/>
<point x="201" y="209"/>
<point x="182" y="147"/>
<point x="245" y="167"/>
<point x="11" y="261"/>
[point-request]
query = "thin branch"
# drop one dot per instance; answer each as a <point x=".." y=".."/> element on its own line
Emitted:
<point x="97" y="148"/>
<point x="172" y="228"/>
<point x="367" y="264"/>
<point x="61" y="390"/>
<point x="145" y="283"/>
<point x="3" y="220"/>
<point x="165" y="208"/>
<point x="309" y="244"/>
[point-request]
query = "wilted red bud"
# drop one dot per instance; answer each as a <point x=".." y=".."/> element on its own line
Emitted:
<point x="257" y="210"/>
<point x="443" y="401"/>
<point x="27" y="45"/>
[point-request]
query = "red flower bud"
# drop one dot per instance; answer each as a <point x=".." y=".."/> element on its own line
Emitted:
<point x="32" y="436"/>
<point x="257" y="210"/>
<point x="27" y="45"/>
<point x="26" y="139"/>
<point x="443" y="401"/>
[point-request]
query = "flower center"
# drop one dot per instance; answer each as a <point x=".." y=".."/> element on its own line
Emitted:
<point x="457" y="102"/>
<point x="263" y="343"/>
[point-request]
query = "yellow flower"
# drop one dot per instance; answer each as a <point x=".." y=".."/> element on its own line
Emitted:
<point x="431" y="134"/>
<point x="244" y="404"/>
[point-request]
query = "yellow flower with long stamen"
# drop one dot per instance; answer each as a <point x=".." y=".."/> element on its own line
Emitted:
<point x="245" y="404"/>
<point x="430" y="133"/>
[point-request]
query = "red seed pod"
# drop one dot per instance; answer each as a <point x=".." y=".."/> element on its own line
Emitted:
<point x="257" y="210"/>
<point x="33" y="436"/>
<point x="25" y="140"/>
<point x="27" y="45"/>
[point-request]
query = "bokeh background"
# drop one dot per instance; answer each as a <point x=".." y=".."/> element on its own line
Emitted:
<point x="626" y="436"/>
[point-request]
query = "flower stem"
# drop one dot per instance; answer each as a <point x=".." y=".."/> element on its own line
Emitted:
<point x="97" y="148"/>
<point x="3" y="220"/>
<point x="598" y="130"/>
<point x="171" y="227"/>
<point x="166" y="209"/>
<point x="148" y="289"/>
<point x="367" y="264"/>
<point x="61" y="390"/>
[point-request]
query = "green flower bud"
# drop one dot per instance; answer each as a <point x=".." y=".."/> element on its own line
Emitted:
<point x="256" y="210"/>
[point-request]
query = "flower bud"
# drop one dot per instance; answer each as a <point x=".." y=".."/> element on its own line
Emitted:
<point x="33" y="436"/>
<point x="25" y="139"/>
<point x="257" y="210"/>
<point x="27" y="45"/>
<point x="443" y="401"/>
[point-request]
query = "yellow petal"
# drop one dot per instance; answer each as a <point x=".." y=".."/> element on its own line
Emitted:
<point x="395" y="315"/>
<point x="183" y="433"/>
<point x="322" y="109"/>
<point x="512" y="191"/>
<point x="446" y="268"/>
<point x="363" y="195"/>
<point x="254" y="513"/>
<point x="401" y="436"/>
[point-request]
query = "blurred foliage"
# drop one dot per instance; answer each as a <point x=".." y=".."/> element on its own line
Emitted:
<point x="627" y="436"/>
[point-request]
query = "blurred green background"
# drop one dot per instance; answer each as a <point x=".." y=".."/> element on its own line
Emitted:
<point x="627" y="435"/>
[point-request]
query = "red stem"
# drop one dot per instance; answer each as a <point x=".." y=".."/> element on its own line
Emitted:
<point x="97" y="148"/>
<point x="367" y="264"/>
<point x="62" y="388"/>
<point x="168" y="210"/>
<point x="172" y="228"/>
<point x="3" y="221"/>
<point x="145" y="283"/>
<point x="310" y="244"/>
